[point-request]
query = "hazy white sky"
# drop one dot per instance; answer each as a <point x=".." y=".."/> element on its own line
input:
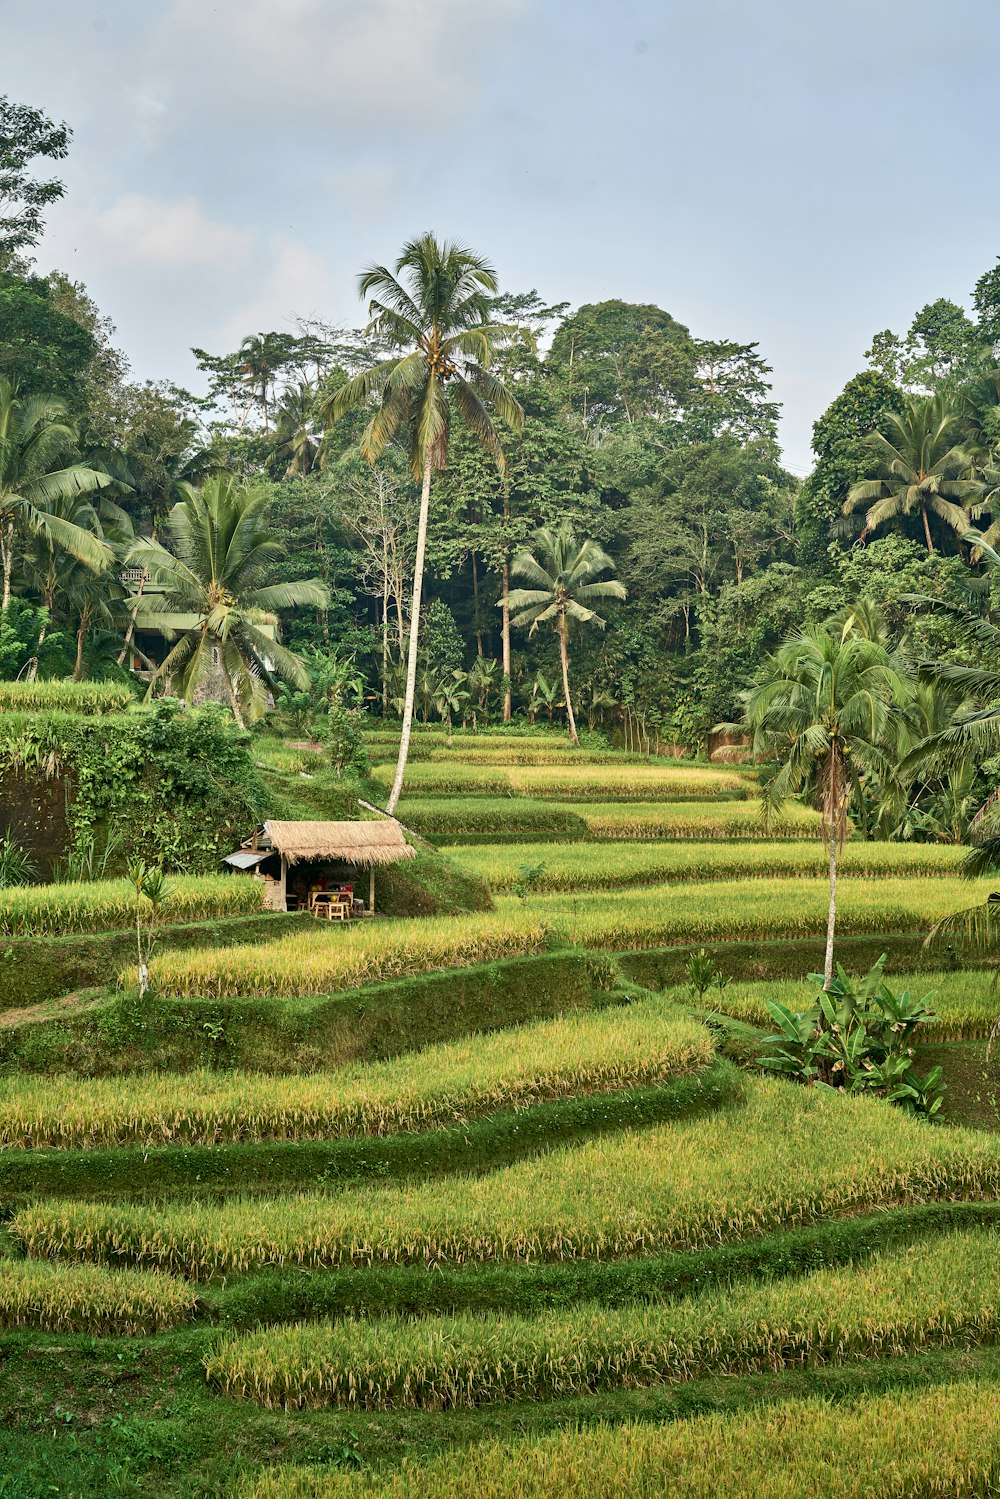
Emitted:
<point x="796" y="172"/>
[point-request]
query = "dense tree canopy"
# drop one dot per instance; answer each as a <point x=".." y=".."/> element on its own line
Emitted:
<point x="655" y="441"/>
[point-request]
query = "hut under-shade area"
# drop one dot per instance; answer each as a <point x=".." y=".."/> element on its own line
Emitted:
<point x="321" y="867"/>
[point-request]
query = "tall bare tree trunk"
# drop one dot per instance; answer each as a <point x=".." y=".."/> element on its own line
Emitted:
<point x="385" y="647"/>
<point x="564" y="658"/>
<point x="505" y="613"/>
<point x="475" y="605"/>
<point x="831" y="921"/>
<point x="131" y="622"/>
<point x="8" y="560"/>
<point x="927" y="529"/>
<point x="81" y="636"/>
<point x="233" y="703"/>
<point x="411" y="662"/>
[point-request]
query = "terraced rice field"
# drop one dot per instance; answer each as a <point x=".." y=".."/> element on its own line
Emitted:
<point x="505" y="1256"/>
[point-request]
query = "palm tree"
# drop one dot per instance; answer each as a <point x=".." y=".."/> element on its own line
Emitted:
<point x="294" y="438"/>
<point x="55" y="574"/>
<point x="433" y="310"/>
<point x="221" y="551"/>
<point x="563" y="573"/>
<point x="35" y="437"/>
<point x="921" y="468"/>
<point x="821" y="711"/>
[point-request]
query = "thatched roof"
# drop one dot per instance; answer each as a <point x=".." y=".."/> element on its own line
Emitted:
<point x="362" y="843"/>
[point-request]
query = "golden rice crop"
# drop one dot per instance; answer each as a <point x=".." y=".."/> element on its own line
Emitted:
<point x="432" y="779"/>
<point x="445" y="1084"/>
<point x="697" y="819"/>
<point x="100" y="905"/>
<point x="595" y="866"/>
<point x="327" y="958"/>
<point x="966" y="1001"/>
<point x="937" y="1293"/>
<point x="529" y="752"/>
<point x="787" y="1156"/>
<point x="659" y="915"/>
<point x="668" y="779"/>
<point x="89" y="1298"/>
<point x="574" y="782"/>
<point x="938" y="1443"/>
<point x="491" y="817"/>
<point x="88" y="698"/>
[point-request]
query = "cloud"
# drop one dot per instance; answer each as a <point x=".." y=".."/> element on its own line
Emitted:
<point x="384" y="61"/>
<point x="295" y="283"/>
<point x="141" y="231"/>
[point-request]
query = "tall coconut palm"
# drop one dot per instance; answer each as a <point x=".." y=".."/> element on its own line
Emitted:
<point x="36" y="436"/>
<point x="821" y="713"/>
<point x="220" y="551"/>
<point x="433" y="311"/>
<point x="920" y="467"/>
<point x="563" y="574"/>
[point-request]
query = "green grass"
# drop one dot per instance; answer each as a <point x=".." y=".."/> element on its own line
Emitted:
<point x="967" y="1001"/>
<point x="785" y="1157"/>
<point x="653" y="916"/>
<point x="941" y="1443"/>
<point x="637" y="1047"/>
<point x="940" y="1292"/>
<point x="593" y="866"/>
<point x="95" y="906"/>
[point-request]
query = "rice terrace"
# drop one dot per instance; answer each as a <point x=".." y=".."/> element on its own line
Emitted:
<point x="499" y="798"/>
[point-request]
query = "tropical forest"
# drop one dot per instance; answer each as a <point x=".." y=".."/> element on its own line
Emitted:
<point x="498" y="915"/>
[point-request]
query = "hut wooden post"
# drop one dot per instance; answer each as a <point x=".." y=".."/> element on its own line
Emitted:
<point x="284" y="883"/>
<point x="371" y="889"/>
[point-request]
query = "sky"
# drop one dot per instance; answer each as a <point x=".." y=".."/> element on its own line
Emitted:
<point x="798" y="173"/>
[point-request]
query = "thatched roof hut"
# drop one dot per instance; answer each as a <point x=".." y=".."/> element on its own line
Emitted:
<point x="366" y="844"/>
<point x="277" y="846"/>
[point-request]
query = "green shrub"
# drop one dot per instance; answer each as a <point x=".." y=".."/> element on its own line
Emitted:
<point x="966" y="1001"/>
<point x="178" y="787"/>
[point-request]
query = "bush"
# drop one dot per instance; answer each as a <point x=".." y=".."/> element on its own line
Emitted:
<point x="578" y="1054"/>
<point x="938" y="1293"/>
<point x="966" y="1003"/>
<point x="40" y="910"/>
<point x="180" y="786"/>
<point x="786" y="1157"/>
